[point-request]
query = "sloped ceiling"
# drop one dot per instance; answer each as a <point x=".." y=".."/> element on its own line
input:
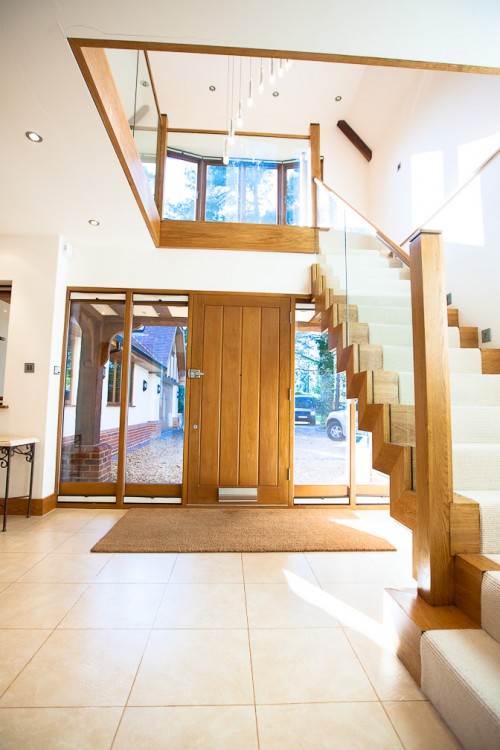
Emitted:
<point x="56" y="187"/>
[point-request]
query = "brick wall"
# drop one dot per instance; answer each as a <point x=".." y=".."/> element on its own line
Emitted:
<point x="92" y="463"/>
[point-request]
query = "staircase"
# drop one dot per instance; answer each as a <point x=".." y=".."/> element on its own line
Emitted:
<point x="455" y="650"/>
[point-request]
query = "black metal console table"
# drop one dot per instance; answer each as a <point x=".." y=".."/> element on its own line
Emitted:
<point x="9" y="447"/>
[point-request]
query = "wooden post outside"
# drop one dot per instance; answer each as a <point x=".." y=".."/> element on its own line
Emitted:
<point x="434" y="562"/>
<point x="315" y="168"/>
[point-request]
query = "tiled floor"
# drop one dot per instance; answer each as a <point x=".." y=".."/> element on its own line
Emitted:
<point x="206" y="651"/>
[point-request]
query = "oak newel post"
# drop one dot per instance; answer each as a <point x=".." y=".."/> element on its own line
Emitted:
<point x="432" y="418"/>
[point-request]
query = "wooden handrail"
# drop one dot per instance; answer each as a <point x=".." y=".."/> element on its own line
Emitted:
<point x="456" y="192"/>
<point x="398" y="251"/>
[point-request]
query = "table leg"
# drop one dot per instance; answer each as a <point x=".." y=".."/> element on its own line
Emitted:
<point x="7" y="478"/>
<point x="31" y="479"/>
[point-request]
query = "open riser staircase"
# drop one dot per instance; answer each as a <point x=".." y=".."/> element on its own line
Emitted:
<point x="460" y="666"/>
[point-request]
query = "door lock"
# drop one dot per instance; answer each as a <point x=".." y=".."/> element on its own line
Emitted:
<point x="195" y="373"/>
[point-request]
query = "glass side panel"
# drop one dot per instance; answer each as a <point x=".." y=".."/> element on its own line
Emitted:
<point x="91" y="414"/>
<point x="321" y="416"/>
<point x="260" y="180"/>
<point x="155" y="428"/>
<point x="135" y="88"/>
<point x="180" y="191"/>
<point x="292" y="191"/>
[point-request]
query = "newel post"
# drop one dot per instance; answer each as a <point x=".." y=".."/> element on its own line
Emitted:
<point x="434" y="562"/>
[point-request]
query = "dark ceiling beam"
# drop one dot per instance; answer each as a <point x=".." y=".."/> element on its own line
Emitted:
<point x="355" y="139"/>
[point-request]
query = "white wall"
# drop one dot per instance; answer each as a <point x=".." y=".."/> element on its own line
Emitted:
<point x="447" y="125"/>
<point x="204" y="270"/>
<point x="36" y="266"/>
<point x="4" y="330"/>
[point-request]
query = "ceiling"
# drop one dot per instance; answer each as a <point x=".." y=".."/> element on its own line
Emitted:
<point x="55" y="187"/>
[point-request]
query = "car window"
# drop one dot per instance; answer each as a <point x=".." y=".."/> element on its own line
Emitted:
<point x="304" y="402"/>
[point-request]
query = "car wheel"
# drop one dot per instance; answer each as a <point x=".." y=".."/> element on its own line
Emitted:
<point x="334" y="431"/>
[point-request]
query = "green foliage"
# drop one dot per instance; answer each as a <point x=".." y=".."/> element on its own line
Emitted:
<point x="316" y="373"/>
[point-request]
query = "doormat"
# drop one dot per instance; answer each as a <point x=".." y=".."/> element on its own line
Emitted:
<point x="235" y="530"/>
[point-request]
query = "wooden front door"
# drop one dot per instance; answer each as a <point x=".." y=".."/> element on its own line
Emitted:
<point x="239" y="408"/>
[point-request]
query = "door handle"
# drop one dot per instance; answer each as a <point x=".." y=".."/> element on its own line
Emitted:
<point x="195" y="373"/>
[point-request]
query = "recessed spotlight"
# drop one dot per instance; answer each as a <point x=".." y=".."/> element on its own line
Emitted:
<point x="32" y="136"/>
<point x="276" y="93"/>
<point x="145" y="84"/>
<point x="94" y="222"/>
<point x="211" y="88"/>
<point x="338" y="98"/>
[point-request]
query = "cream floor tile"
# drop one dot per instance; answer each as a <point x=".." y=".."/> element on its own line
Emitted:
<point x="79" y="668"/>
<point x="188" y="728"/>
<point x="65" y="521"/>
<point x="203" y="605"/>
<point x="355" y="603"/>
<point x="345" y="567"/>
<point x="420" y="726"/>
<point x="215" y="567"/>
<point x="69" y="568"/>
<point x="4" y="586"/>
<point x="31" y="605"/>
<point x="306" y="666"/>
<point x="138" y="568"/>
<point x="116" y="605"/>
<point x="17" y="647"/>
<point x="36" y="541"/>
<point x="80" y="543"/>
<point x="194" y="667"/>
<point x="276" y="605"/>
<point x="396" y="566"/>
<point x="275" y="567"/>
<point x="390" y="679"/>
<point x="14" y="564"/>
<point x="58" y="728"/>
<point x="103" y="521"/>
<point x="329" y="726"/>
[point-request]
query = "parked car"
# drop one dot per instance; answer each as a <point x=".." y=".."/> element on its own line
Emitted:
<point x="305" y="409"/>
<point x="337" y="424"/>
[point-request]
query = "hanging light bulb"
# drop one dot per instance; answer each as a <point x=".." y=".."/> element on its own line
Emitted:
<point x="239" y="118"/>
<point x="272" y="74"/>
<point x="288" y="64"/>
<point x="231" y="135"/>
<point x="281" y="69"/>
<point x="250" y="92"/>
<point x="225" y="154"/>
<point x="261" y="77"/>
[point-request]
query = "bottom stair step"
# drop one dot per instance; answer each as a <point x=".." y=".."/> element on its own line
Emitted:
<point x="489" y="517"/>
<point x="461" y="677"/>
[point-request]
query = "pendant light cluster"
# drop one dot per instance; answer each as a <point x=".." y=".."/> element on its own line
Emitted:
<point x="267" y="70"/>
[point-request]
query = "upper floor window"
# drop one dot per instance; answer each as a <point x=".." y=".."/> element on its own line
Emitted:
<point x="248" y="189"/>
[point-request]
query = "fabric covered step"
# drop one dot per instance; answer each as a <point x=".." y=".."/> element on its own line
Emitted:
<point x="489" y="517"/>
<point x="388" y="315"/>
<point x="475" y="424"/>
<point x="371" y="299"/>
<point x="475" y="390"/>
<point x="461" y="677"/>
<point x="400" y="359"/>
<point x="402" y="335"/>
<point x="490" y="603"/>
<point x="476" y="466"/>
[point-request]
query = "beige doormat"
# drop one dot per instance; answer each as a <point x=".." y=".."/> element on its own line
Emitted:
<point x="235" y="530"/>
